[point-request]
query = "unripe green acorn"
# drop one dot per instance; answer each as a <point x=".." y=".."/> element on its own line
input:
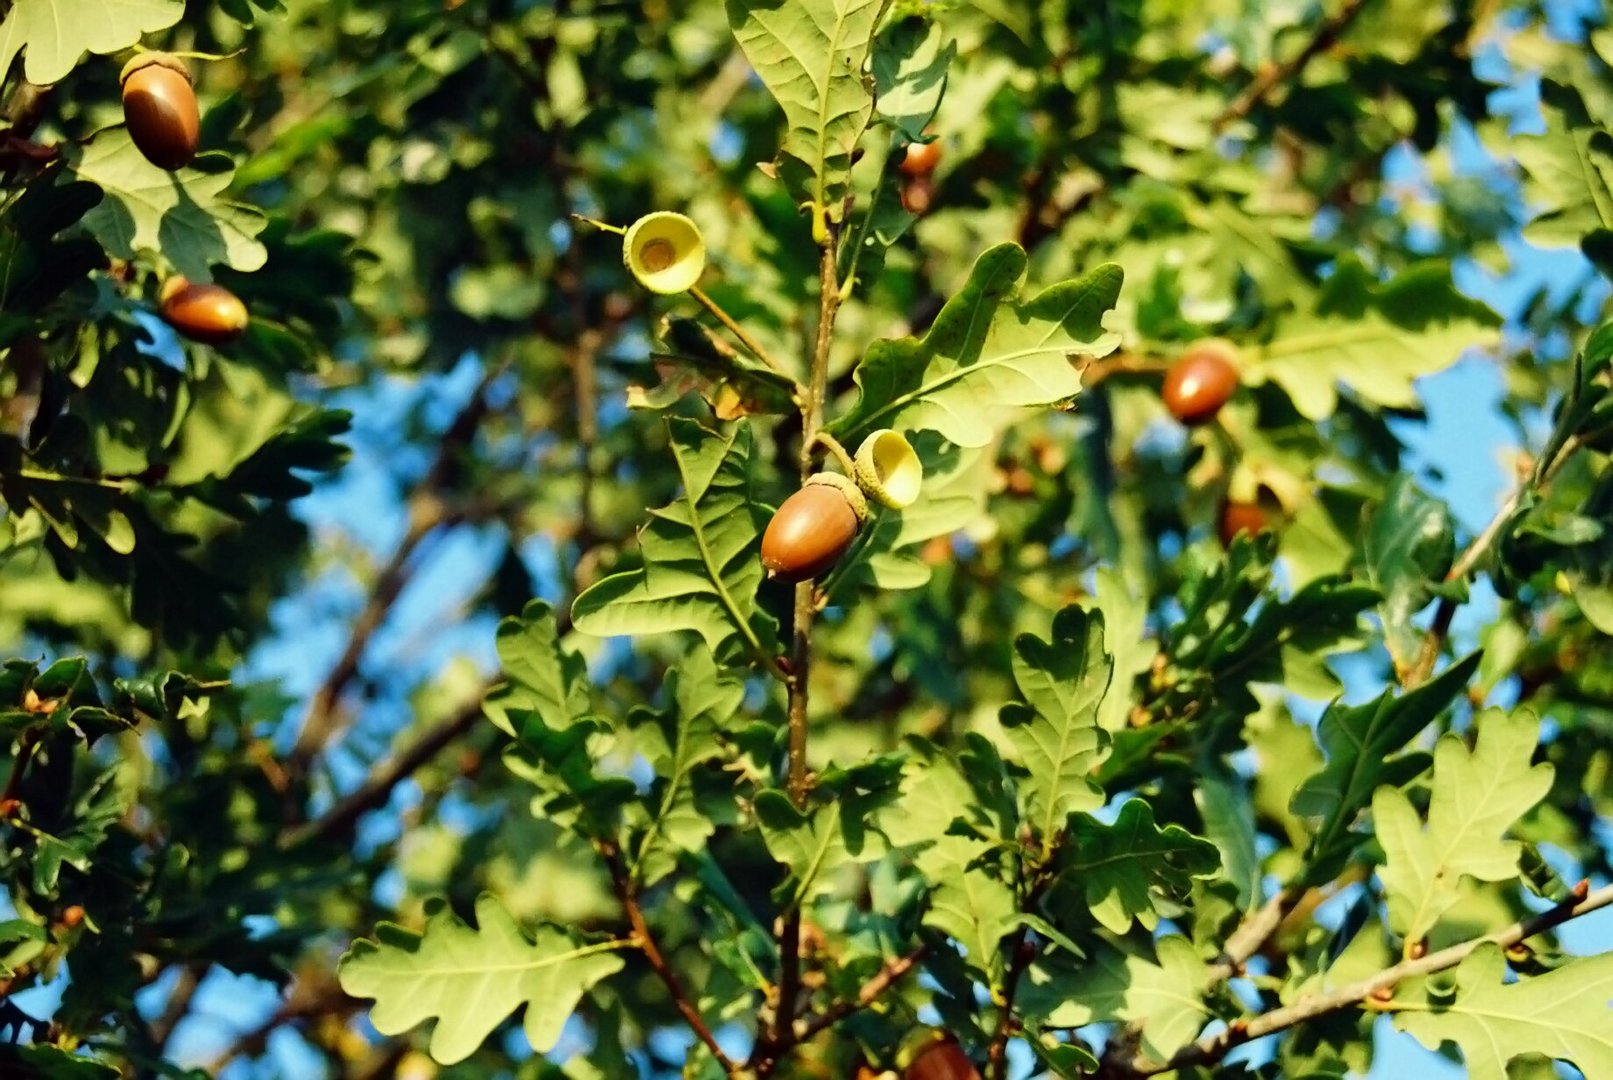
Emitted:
<point x="159" y="107"/>
<point x="1201" y="381"/>
<point x="813" y="528"/>
<point x="210" y="314"/>
<point x="942" y="1060"/>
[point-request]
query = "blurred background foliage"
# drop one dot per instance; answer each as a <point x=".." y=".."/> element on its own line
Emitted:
<point x="429" y="423"/>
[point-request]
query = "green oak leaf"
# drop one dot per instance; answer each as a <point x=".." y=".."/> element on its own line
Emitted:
<point x="469" y="979"/>
<point x="987" y="354"/>
<point x="1162" y="997"/>
<point x="704" y="702"/>
<point x="701" y="569"/>
<point x="54" y="34"/>
<point x="1118" y="871"/>
<point x="1057" y="734"/>
<point x="1408" y="546"/>
<point x="811" y="844"/>
<point x="539" y="674"/>
<point x="909" y="64"/>
<point x="810" y="55"/>
<point x="1360" y="742"/>
<point x="1478" y="795"/>
<point x="182" y="214"/>
<point x="1562" y="1015"/>
<point x="1570" y="171"/>
<point x="968" y="903"/>
<point x="1374" y="338"/>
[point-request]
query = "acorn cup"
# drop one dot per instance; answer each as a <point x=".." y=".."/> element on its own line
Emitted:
<point x="665" y="252"/>
<point x="813" y="528"/>
<point x="888" y="469"/>
<point x="159" y="107"/>
<point x="210" y="314"/>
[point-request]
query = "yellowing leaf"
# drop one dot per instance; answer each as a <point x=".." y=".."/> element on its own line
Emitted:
<point x="56" y="33"/>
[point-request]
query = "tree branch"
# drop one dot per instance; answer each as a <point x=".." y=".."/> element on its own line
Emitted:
<point x="652" y="952"/>
<point x="1251" y="934"/>
<point x="1215" y="1047"/>
<point x="882" y="981"/>
<point x="1273" y="76"/>
<point x="800" y="673"/>
<point x="427" y="511"/>
<point x="377" y="788"/>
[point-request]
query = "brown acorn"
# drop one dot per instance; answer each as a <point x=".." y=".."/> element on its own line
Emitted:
<point x="813" y="528"/>
<point x="943" y="1060"/>
<point x="1201" y="381"/>
<point x="159" y="106"/>
<point x="1238" y="518"/>
<point x="917" y="195"/>
<point x="210" y="314"/>
<point x="920" y="158"/>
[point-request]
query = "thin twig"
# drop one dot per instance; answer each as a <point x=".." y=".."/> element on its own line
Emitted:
<point x="801" y="645"/>
<point x="997" y="1050"/>
<point x="1467" y="562"/>
<point x="652" y="953"/>
<point x="1216" y="1047"/>
<point x="377" y="788"/>
<point x="1253" y="933"/>
<point x="870" y="992"/>
<point x="752" y="346"/>
<point x="427" y="511"/>
<point x="1287" y="74"/>
<point x="162" y="1029"/>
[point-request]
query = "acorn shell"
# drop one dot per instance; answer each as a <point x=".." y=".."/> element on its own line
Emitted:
<point x="210" y="314"/>
<point x="1200" y="382"/>
<point x="943" y="1060"/>
<point x="159" y="107"/>
<point x="813" y="528"/>
<point x="1239" y="518"/>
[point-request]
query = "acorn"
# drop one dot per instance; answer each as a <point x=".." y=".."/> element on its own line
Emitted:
<point x="1238" y="518"/>
<point x="813" y="528"/>
<point x="1201" y="381"/>
<point x="941" y="1060"/>
<point x="210" y="314"/>
<point x="159" y="106"/>
<point x="920" y="159"/>
<point x="917" y="194"/>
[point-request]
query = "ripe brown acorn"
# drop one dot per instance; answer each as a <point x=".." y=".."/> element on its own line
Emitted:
<point x="943" y="1060"/>
<point x="813" y="528"/>
<point x="920" y="159"/>
<point x="917" y="194"/>
<point x="210" y="314"/>
<point x="159" y="106"/>
<point x="1201" y="381"/>
<point x="1242" y="517"/>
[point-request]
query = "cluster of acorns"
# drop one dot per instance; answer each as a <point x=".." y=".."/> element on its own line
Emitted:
<point x="1202" y="380"/>
<point x="814" y="527"/>
<point x="159" y="107"/>
<point x="918" y="165"/>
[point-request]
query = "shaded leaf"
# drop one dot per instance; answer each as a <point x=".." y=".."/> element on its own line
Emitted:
<point x="182" y="214"/>
<point x="1058" y="738"/>
<point x="539" y="674"/>
<point x="701" y="569"/>
<point x="1117" y="871"/>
